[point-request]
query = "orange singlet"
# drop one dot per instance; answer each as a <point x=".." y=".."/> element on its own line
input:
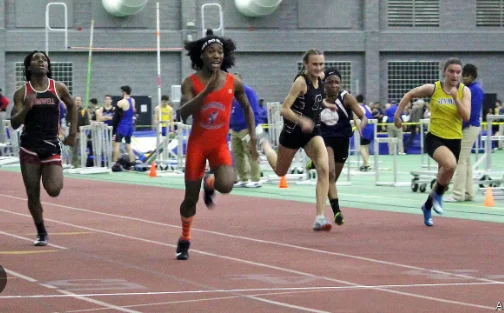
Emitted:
<point x="210" y="127"/>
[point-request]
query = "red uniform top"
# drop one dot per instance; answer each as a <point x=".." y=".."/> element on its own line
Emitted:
<point x="4" y="103"/>
<point x="211" y="122"/>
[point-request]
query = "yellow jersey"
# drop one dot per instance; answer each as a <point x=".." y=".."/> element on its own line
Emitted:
<point x="445" y="121"/>
<point x="165" y="114"/>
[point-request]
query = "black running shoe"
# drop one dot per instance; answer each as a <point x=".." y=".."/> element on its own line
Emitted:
<point x="209" y="192"/>
<point x="338" y="218"/>
<point x="183" y="249"/>
<point x="41" y="241"/>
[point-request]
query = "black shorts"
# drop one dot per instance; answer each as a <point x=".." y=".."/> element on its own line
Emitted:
<point x="42" y="148"/>
<point x="119" y="138"/>
<point x="364" y="141"/>
<point x="43" y="152"/>
<point x="340" y="147"/>
<point x="433" y="142"/>
<point x="297" y="139"/>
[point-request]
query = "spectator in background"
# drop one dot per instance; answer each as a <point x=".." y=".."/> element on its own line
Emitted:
<point x="239" y="147"/>
<point x="93" y="104"/>
<point x="63" y="120"/>
<point x="360" y="100"/>
<point x="415" y="116"/>
<point x="4" y="103"/>
<point x="499" y="110"/>
<point x="63" y="113"/>
<point x="106" y="113"/>
<point x="367" y="135"/>
<point x="377" y="112"/>
<point x="164" y="113"/>
<point x="392" y="130"/>
<point x="82" y="120"/>
<point x="263" y="112"/>
<point x="463" y="185"/>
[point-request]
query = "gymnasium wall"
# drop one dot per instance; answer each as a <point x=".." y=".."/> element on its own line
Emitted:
<point x="268" y="47"/>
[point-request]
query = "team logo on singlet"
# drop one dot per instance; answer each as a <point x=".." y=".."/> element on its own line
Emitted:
<point x="212" y="117"/>
<point x="44" y="101"/>
<point x="317" y="102"/>
<point x="446" y="101"/>
<point x="209" y="119"/>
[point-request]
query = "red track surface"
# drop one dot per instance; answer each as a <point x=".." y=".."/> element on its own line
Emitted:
<point x="248" y="255"/>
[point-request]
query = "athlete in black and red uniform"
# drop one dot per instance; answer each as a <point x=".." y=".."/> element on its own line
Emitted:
<point x="36" y="107"/>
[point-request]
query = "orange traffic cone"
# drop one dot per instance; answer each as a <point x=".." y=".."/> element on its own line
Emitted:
<point x="153" y="172"/>
<point x="489" y="199"/>
<point x="283" y="182"/>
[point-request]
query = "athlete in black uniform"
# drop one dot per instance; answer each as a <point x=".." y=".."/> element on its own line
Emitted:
<point x="301" y="113"/>
<point x="36" y="106"/>
<point x="336" y="130"/>
<point x="106" y="113"/>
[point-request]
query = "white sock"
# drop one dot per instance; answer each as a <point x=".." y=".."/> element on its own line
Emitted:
<point x="320" y="218"/>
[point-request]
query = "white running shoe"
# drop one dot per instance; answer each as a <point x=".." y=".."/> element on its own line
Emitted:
<point x="253" y="184"/>
<point x="240" y="184"/>
<point x="322" y="225"/>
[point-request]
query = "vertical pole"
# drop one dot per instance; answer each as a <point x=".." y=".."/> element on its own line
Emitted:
<point x="159" y="139"/>
<point x="376" y="151"/>
<point x="394" y="160"/>
<point x="88" y="82"/>
<point x="83" y="146"/>
<point x="422" y="156"/>
<point x="488" y="145"/>
<point x="47" y="30"/>
<point x="158" y="35"/>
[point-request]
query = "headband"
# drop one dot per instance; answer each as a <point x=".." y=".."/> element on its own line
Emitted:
<point x="332" y="72"/>
<point x="211" y="41"/>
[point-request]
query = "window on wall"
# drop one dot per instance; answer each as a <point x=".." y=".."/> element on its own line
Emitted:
<point x="413" y="13"/>
<point x="345" y="69"/>
<point x="489" y="13"/>
<point x="406" y="75"/>
<point x="61" y="72"/>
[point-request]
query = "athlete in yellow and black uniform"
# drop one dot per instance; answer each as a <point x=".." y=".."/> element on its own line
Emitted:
<point x="164" y="113"/>
<point x="450" y="103"/>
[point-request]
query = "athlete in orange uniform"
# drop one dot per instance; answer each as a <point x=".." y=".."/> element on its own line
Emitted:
<point x="208" y="95"/>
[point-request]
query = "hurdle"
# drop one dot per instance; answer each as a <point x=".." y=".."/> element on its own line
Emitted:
<point x="297" y="171"/>
<point x="66" y="151"/>
<point x="9" y="147"/>
<point x="275" y="122"/>
<point x="346" y="171"/>
<point x="164" y="144"/>
<point x="484" y="177"/>
<point x="357" y="155"/>
<point x="395" y="182"/>
<point x="173" y="163"/>
<point x="310" y="177"/>
<point x="101" y="143"/>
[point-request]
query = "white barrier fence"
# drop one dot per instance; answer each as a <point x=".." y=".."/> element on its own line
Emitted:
<point x="100" y="136"/>
<point x="168" y="161"/>
<point x="490" y="177"/>
<point x="9" y="144"/>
